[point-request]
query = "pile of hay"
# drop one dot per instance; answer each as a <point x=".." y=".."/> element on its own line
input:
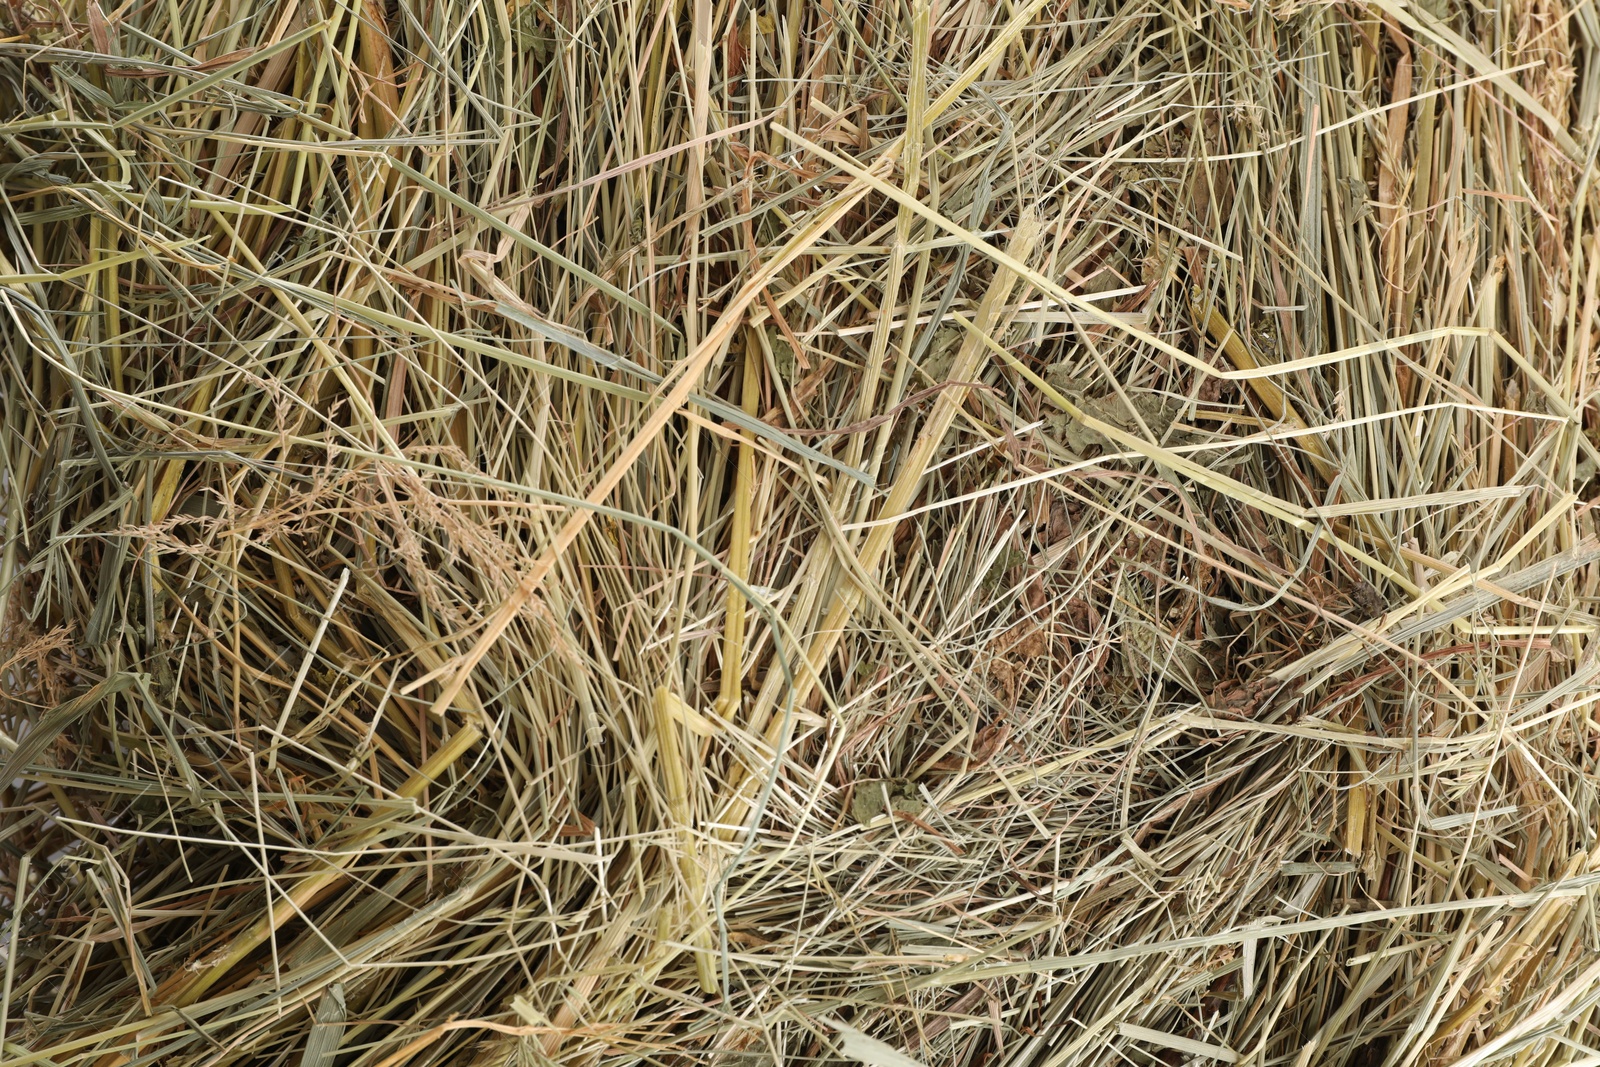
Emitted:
<point x="1032" y="533"/>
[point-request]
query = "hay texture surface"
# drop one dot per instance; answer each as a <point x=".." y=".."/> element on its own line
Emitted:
<point x="1048" y="533"/>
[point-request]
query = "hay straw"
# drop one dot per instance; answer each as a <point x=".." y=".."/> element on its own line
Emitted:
<point x="1051" y="534"/>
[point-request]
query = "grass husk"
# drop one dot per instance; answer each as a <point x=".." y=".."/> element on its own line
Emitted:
<point x="1044" y="534"/>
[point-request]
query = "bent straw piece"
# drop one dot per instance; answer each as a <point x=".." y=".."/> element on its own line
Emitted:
<point x="1277" y="402"/>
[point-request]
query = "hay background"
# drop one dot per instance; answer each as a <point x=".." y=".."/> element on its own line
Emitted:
<point x="1051" y="691"/>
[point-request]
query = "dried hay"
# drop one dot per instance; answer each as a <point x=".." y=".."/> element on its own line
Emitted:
<point x="1045" y="534"/>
